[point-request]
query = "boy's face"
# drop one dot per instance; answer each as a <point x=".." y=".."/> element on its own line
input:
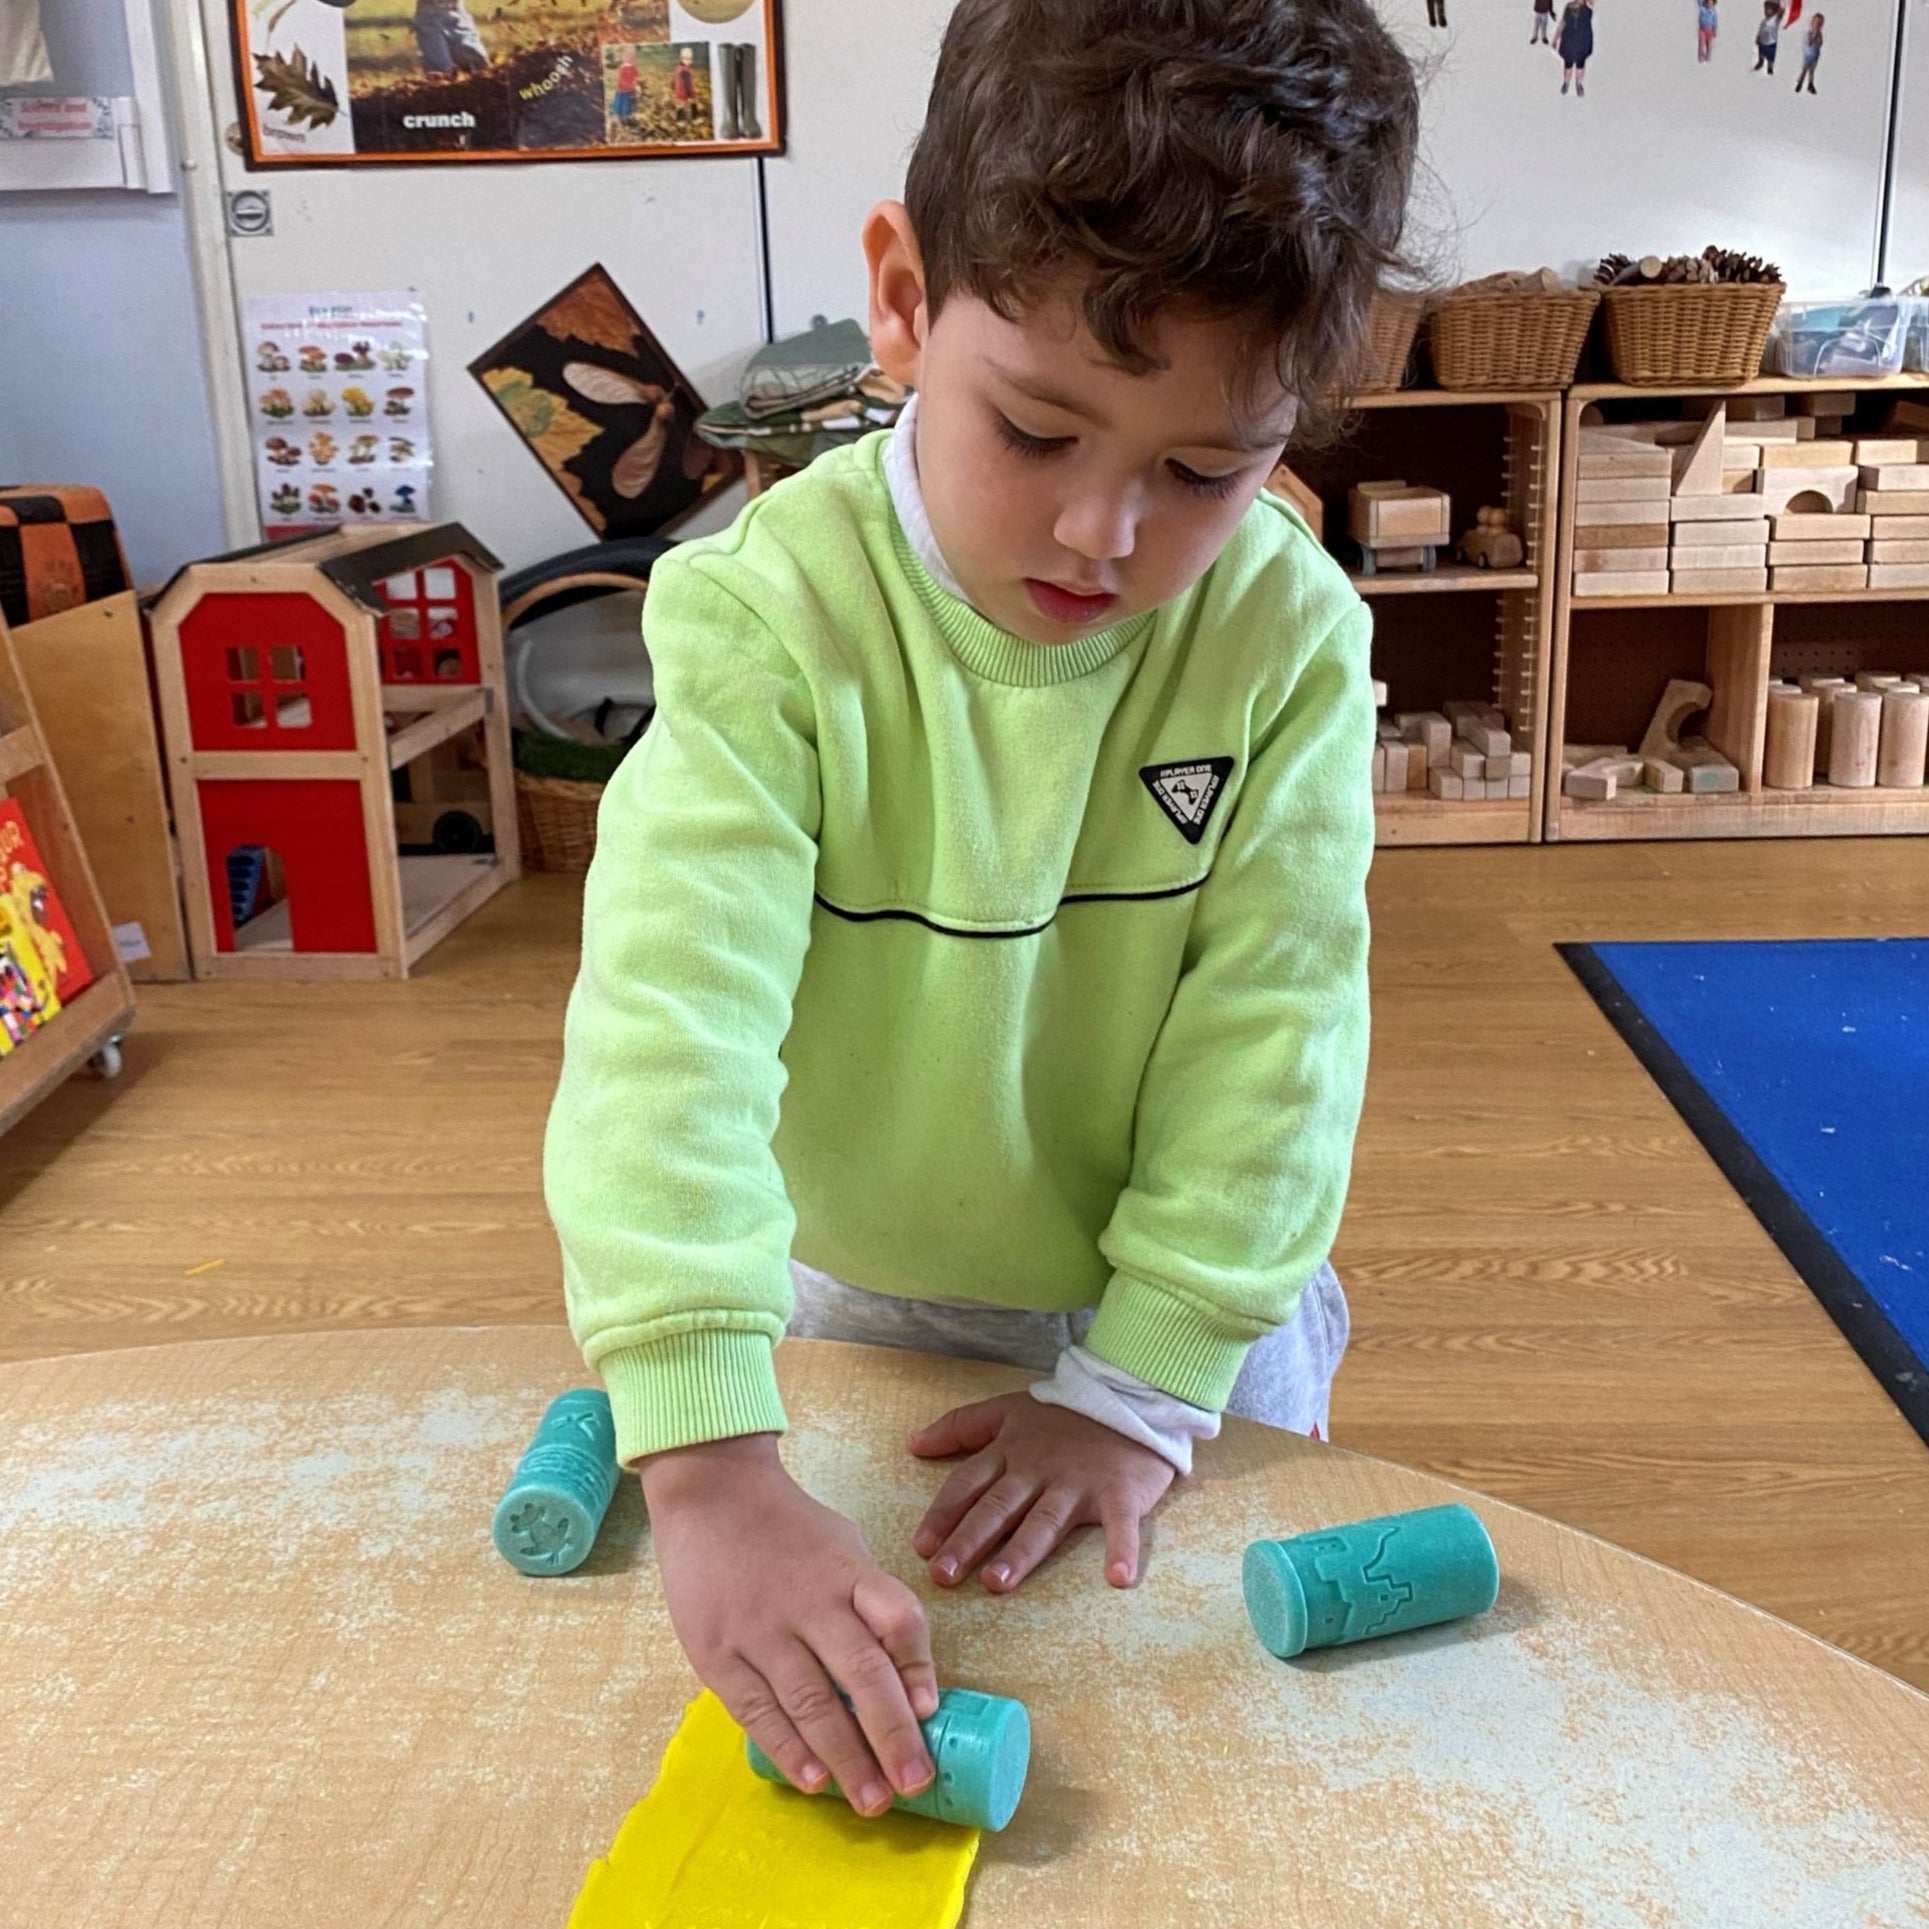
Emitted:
<point x="1065" y="493"/>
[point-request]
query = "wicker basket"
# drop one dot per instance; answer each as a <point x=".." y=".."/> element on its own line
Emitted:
<point x="1527" y="340"/>
<point x="1395" y="321"/>
<point x="1690" y="331"/>
<point x="557" y="816"/>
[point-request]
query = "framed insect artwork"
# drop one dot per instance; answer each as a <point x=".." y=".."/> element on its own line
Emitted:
<point x="605" y="410"/>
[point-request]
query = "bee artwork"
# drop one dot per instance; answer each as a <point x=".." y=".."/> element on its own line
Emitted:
<point x="605" y="410"/>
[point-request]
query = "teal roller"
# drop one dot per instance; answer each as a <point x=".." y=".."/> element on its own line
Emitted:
<point x="546" y="1523"/>
<point x="1374" y="1577"/>
<point x="981" y="1746"/>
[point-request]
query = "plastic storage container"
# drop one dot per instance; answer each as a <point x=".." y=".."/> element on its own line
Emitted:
<point x="1915" y="350"/>
<point x="1819" y="339"/>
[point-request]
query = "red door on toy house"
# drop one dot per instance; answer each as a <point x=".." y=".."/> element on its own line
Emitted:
<point x="267" y="672"/>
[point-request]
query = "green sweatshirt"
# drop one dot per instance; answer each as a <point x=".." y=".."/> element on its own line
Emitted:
<point x="961" y="966"/>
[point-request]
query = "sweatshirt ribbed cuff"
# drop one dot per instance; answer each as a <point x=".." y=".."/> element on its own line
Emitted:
<point x="708" y="1384"/>
<point x="1168" y="1342"/>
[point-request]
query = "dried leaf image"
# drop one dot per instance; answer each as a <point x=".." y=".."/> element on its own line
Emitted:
<point x="636" y="467"/>
<point x="601" y="384"/>
<point x="545" y="421"/>
<point x="592" y="312"/>
<point x="295" y="86"/>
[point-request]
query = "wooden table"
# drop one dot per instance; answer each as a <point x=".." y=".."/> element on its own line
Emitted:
<point x="260" y="1664"/>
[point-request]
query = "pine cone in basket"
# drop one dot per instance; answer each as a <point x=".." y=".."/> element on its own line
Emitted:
<point x="1711" y="265"/>
<point x="1730" y="265"/>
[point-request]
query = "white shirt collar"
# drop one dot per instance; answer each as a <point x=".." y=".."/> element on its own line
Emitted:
<point x="907" y="498"/>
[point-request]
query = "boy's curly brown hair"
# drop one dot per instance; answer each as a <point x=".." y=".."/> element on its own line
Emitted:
<point x="1230" y="157"/>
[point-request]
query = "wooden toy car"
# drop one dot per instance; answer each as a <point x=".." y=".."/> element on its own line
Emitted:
<point x="1491" y="543"/>
<point x="1396" y="525"/>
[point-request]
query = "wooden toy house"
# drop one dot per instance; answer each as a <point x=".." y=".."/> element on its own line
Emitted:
<point x="311" y="693"/>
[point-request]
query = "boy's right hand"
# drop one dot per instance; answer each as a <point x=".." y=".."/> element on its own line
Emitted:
<point x="778" y="1604"/>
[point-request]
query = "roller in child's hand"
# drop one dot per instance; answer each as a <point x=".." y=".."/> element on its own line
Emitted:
<point x="981" y="1746"/>
<point x="1372" y="1577"/>
<point x="546" y="1523"/>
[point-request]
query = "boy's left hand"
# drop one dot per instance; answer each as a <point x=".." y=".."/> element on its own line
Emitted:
<point x="1036" y="1474"/>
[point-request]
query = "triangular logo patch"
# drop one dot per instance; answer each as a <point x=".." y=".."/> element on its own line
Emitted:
<point x="1187" y="792"/>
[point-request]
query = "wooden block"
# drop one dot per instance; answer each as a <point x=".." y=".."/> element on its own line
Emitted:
<point x="1379" y="694"/>
<point x="1698" y="468"/>
<point x="1826" y="401"/>
<point x="1433" y="733"/>
<point x="1855" y="731"/>
<point x="1681" y="700"/>
<point x="1904" y="740"/>
<point x="1478" y="790"/>
<point x="1518" y="787"/>
<point x="1520" y="763"/>
<point x="1302" y="495"/>
<point x="1720" y="556"/>
<point x="1752" y="408"/>
<point x="1488" y="739"/>
<point x="1602" y="562"/>
<point x="1397" y="512"/>
<point x="1823" y="688"/>
<point x="1592" y="515"/>
<point x="1623" y="489"/>
<point x="1501" y="766"/>
<point x="1835" y="488"/>
<point x="1601" y="460"/>
<point x="1895" y="475"/>
<point x="1899" y="575"/>
<point x="1789" y="429"/>
<point x="1718" y="582"/>
<point x="1589" y="786"/>
<point x="1893" y="502"/>
<point x="1884" y="449"/>
<point x="1626" y="771"/>
<point x="1659" y="774"/>
<point x="1465" y="761"/>
<point x="1740" y="482"/>
<point x="1615" y="435"/>
<point x="1878" y="680"/>
<point x="1814" y="576"/>
<point x="1446" y="785"/>
<point x="1896" y="529"/>
<point x="1379" y="766"/>
<point x="1807" y="455"/>
<point x="1800" y="526"/>
<point x="1623" y="535"/>
<point x="1398" y="555"/>
<point x="1813" y="555"/>
<point x="1722" y="535"/>
<point x="1705" y="769"/>
<point x="1573" y="755"/>
<point x="1740" y="508"/>
<point x="1902" y="552"/>
<point x="1908" y="418"/>
<point x="1788" y="755"/>
<point x="1417" y="766"/>
<point x="1623" y="582"/>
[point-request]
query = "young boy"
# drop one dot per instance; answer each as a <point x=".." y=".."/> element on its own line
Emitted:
<point x="982" y="919"/>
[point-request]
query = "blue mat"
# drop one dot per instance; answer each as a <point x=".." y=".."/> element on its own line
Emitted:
<point x="1803" y="1068"/>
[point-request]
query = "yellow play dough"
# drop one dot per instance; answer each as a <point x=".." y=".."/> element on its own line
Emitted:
<point x="712" y="1846"/>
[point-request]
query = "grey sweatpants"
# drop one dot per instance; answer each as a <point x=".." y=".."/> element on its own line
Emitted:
<point x="1287" y="1380"/>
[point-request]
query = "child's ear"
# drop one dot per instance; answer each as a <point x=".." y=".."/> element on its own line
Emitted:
<point x="898" y="318"/>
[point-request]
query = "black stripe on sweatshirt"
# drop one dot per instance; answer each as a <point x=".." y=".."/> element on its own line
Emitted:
<point x="1026" y="931"/>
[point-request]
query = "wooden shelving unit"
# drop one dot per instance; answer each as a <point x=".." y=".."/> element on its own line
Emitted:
<point x="1460" y="632"/>
<point x="88" y="1026"/>
<point x="1612" y="656"/>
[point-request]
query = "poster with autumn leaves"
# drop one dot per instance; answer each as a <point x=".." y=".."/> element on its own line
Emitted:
<point x="605" y="410"/>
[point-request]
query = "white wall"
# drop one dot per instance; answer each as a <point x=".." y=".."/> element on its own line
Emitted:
<point x="1664" y="154"/>
<point x="486" y="245"/>
<point x="1908" y="255"/>
<point x="98" y="334"/>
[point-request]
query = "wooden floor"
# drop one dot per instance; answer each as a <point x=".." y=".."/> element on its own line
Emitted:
<point x="1556" y="1296"/>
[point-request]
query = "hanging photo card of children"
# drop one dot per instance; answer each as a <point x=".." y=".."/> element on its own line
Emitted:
<point x="335" y="82"/>
<point x="337" y="400"/>
<point x="604" y="409"/>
